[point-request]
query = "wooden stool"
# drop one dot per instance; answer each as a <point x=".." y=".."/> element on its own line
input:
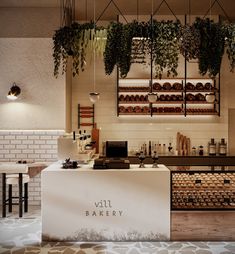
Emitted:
<point x="19" y="170"/>
<point x="13" y="179"/>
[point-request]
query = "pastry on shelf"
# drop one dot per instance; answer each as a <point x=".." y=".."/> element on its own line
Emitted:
<point x="199" y="86"/>
<point x="162" y="97"/>
<point x="127" y="98"/>
<point x="167" y="97"/>
<point x="167" y="86"/>
<point x="122" y="109"/>
<point x="121" y="97"/>
<point x="200" y="97"/>
<point x="190" y="97"/>
<point x="157" y="86"/>
<point x="137" y="109"/>
<point x="208" y="86"/>
<point x="142" y="98"/>
<point x="137" y="98"/>
<point x="173" y="97"/>
<point x="179" y="97"/>
<point x="145" y="109"/>
<point x="132" y="98"/>
<point x="130" y="109"/>
<point x="177" y="86"/>
<point x="190" y="86"/>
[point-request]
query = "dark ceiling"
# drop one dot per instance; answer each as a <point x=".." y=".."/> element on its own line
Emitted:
<point x="84" y="8"/>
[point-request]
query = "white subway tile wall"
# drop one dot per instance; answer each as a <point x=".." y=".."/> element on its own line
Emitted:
<point x="30" y="146"/>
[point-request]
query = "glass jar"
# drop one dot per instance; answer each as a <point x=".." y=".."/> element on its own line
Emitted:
<point x="201" y="150"/>
<point x="212" y="147"/>
<point x="222" y="147"/>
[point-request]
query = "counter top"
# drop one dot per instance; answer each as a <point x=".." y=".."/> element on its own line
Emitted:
<point x="57" y="166"/>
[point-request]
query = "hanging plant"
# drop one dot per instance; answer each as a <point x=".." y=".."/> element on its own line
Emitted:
<point x="140" y="44"/>
<point x="76" y="41"/>
<point x="230" y="44"/>
<point x="211" y="46"/>
<point x="165" y="37"/>
<point x="119" y="50"/>
<point x="189" y="42"/>
<point x="113" y="46"/>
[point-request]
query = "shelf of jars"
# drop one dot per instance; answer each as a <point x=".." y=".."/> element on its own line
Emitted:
<point x="190" y="94"/>
<point x="203" y="190"/>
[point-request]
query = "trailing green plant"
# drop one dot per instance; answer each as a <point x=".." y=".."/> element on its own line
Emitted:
<point x="211" y="46"/>
<point x="230" y="44"/>
<point x="119" y="46"/>
<point x="190" y="42"/>
<point x="75" y="41"/>
<point x="165" y="36"/>
<point x="113" y="46"/>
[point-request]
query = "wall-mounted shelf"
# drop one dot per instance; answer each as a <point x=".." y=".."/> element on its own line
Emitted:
<point x="175" y="97"/>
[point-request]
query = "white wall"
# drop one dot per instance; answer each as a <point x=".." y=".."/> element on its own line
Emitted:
<point x="29" y="63"/>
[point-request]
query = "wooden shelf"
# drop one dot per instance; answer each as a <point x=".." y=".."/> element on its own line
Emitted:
<point x="134" y="102"/>
<point x="202" y="113"/>
<point x="134" y="90"/>
<point x="200" y="102"/>
<point x="168" y="91"/>
<point x="168" y="102"/>
<point x="134" y="113"/>
<point x="201" y="91"/>
<point x="168" y="113"/>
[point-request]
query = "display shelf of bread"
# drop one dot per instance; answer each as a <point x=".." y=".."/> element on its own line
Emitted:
<point x="134" y="89"/>
<point x="203" y="190"/>
<point x="137" y="98"/>
<point x="201" y="111"/>
<point x="134" y="110"/>
<point x="167" y="110"/>
<point x="189" y="98"/>
<point x="168" y="87"/>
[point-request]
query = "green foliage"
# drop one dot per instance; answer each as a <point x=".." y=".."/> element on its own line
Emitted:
<point x="190" y="42"/>
<point x="211" y="46"/>
<point x="124" y="44"/>
<point x="72" y="41"/>
<point x="230" y="44"/>
<point x="113" y="46"/>
<point x="165" y="37"/>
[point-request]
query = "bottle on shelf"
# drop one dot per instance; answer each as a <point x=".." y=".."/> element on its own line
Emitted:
<point x="150" y="148"/>
<point x="222" y="147"/>
<point x="170" y="149"/>
<point x="194" y="151"/>
<point x="164" y="149"/>
<point x="201" y="150"/>
<point x="212" y="147"/>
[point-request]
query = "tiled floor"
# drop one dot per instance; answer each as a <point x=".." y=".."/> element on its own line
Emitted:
<point x="24" y="236"/>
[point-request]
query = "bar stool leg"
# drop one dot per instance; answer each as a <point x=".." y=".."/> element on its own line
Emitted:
<point x="26" y="197"/>
<point x="10" y="198"/>
<point x="3" y="195"/>
<point x="20" y="195"/>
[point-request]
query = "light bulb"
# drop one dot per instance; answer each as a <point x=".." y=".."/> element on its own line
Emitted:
<point x="152" y="97"/>
<point x="94" y="97"/>
<point x="210" y="97"/>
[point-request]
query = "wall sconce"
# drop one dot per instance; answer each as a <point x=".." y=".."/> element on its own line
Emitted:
<point x="14" y="92"/>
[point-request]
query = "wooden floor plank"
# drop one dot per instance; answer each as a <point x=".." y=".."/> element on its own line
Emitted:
<point x="203" y="225"/>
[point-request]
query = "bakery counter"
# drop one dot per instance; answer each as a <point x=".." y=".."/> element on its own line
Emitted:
<point x="105" y="205"/>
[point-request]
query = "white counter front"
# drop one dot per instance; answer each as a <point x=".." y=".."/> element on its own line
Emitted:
<point x="105" y="205"/>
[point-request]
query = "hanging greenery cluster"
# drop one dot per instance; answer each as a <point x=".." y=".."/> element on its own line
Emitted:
<point x="123" y="44"/>
<point x="76" y="41"/>
<point x="230" y="44"/>
<point x="212" y="44"/>
<point x="189" y="42"/>
<point x="165" y="38"/>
